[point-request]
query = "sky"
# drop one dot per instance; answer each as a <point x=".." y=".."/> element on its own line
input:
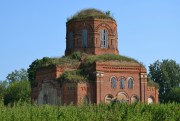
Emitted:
<point x="148" y="30"/>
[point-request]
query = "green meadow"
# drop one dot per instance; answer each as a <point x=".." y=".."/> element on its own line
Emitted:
<point x="102" y="112"/>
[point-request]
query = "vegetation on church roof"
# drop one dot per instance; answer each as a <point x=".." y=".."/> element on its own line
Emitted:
<point x="151" y="83"/>
<point x="91" y="13"/>
<point x="74" y="76"/>
<point x="74" y="61"/>
<point x="67" y="61"/>
<point x="109" y="57"/>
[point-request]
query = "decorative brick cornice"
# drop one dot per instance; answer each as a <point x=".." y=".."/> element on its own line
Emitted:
<point x="115" y="67"/>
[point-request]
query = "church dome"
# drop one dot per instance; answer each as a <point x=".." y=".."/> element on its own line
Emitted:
<point x="91" y="14"/>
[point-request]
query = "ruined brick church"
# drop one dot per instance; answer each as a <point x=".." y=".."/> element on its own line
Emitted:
<point x="108" y="76"/>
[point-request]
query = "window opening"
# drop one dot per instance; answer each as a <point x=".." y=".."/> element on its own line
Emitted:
<point x="84" y="36"/>
<point x="113" y="82"/>
<point x="71" y="40"/>
<point x="104" y="38"/>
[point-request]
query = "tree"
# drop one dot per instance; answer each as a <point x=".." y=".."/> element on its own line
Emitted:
<point x="3" y="86"/>
<point x="18" y="87"/>
<point x="174" y="95"/>
<point x="18" y="90"/>
<point x="167" y="75"/>
<point x="17" y="76"/>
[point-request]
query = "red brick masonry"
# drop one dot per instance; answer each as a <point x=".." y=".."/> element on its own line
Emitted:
<point x="100" y="89"/>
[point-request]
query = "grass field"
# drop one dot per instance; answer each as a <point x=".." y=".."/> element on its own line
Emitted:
<point x="111" y="112"/>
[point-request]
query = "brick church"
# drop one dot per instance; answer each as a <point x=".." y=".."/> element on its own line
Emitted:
<point x="92" y="70"/>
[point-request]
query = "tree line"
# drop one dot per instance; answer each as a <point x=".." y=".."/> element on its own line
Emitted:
<point x="166" y="73"/>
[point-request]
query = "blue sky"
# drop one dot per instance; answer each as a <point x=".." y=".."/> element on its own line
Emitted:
<point x="148" y="30"/>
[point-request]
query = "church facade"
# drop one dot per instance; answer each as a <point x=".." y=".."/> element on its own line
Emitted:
<point x="94" y="33"/>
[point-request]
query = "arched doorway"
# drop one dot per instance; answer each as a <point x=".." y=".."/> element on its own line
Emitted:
<point x="150" y="100"/>
<point x="108" y="98"/>
<point x="45" y="99"/>
<point x="134" y="99"/>
<point x="86" y="100"/>
<point x="47" y="93"/>
<point x="122" y="97"/>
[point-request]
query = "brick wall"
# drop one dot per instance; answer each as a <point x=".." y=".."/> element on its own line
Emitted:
<point x="98" y="89"/>
<point x="107" y="70"/>
<point x="104" y="85"/>
<point x="86" y="89"/>
<point x="69" y="93"/>
<point x="153" y="93"/>
<point x="93" y="27"/>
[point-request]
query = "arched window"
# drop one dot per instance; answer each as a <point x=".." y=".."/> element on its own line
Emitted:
<point x="113" y="82"/>
<point x="84" y="38"/>
<point x="130" y="83"/>
<point x="122" y="83"/>
<point x="86" y="100"/>
<point x="71" y="40"/>
<point x="108" y="98"/>
<point x="122" y="97"/>
<point x="104" y="38"/>
<point x="150" y="100"/>
<point x="134" y="99"/>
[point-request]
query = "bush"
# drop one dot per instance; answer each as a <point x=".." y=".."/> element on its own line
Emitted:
<point x="91" y="13"/>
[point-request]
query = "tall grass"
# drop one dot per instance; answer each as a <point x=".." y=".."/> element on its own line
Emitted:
<point x="111" y="112"/>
